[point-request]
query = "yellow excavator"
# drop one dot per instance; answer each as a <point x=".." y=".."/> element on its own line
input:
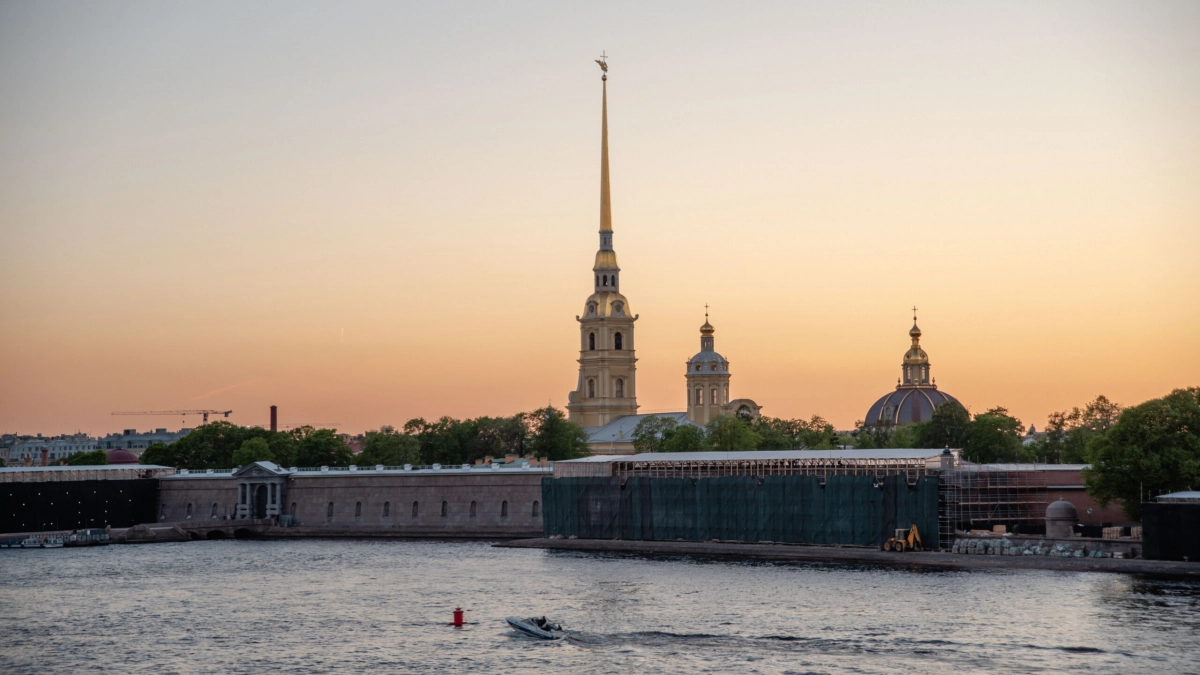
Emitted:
<point x="905" y="540"/>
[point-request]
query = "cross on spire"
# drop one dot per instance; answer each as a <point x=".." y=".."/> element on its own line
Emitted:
<point x="914" y="312"/>
<point x="706" y="311"/>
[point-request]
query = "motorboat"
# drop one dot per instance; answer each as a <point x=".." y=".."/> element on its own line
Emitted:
<point x="538" y="627"/>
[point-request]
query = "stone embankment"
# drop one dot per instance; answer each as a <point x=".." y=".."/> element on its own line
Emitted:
<point x="855" y="555"/>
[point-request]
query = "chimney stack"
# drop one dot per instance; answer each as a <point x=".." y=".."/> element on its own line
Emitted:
<point x="274" y="418"/>
<point x="45" y="457"/>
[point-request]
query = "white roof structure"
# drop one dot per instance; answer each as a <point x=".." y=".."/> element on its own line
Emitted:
<point x="1187" y="497"/>
<point x="621" y="429"/>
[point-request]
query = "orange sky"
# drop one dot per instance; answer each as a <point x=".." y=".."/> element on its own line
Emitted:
<point x="370" y="213"/>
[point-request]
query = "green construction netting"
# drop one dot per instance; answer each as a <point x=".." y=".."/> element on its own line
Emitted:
<point x="852" y="510"/>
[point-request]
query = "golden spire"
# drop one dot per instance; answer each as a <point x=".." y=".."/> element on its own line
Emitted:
<point x="605" y="206"/>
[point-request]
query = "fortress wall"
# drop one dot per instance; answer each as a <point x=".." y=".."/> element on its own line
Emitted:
<point x="175" y="494"/>
<point x="313" y="493"/>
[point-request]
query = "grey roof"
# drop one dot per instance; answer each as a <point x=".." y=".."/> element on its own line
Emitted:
<point x="899" y="453"/>
<point x="89" y="467"/>
<point x="342" y="471"/>
<point x="621" y="429"/>
<point x="1023" y="467"/>
<point x="1187" y="495"/>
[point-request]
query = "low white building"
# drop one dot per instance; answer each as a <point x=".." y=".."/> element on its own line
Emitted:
<point x="132" y="439"/>
<point x="55" y="448"/>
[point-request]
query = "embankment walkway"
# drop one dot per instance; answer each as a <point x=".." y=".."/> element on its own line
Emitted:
<point x="864" y="556"/>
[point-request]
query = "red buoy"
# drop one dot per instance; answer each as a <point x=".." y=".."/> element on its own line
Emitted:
<point x="458" y="617"/>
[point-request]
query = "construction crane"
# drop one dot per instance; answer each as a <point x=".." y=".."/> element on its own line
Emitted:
<point x="205" y="413"/>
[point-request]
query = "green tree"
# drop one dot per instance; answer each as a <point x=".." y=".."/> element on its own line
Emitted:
<point x="686" y="438"/>
<point x="652" y="433"/>
<point x="253" y="450"/>
<point x="949" y="426"/>
<point x="160" y="454"/>
<point x="817" y="433"/>
<point x="321" y="447"/>
<point x="389" y="448"/>
<point x="907" y="435"/>
<point x="775" y="433"/>
<point x="1068" y="433"/>
<point x="994" y="436"/>
<point x="93" y="458"/>
<point x="555" y="437"/>
<point x="873" y="436"/>
<point x="1153" y="448"/>
<point x="729" y="432"/>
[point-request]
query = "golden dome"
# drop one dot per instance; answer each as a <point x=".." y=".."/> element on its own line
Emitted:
<point x="606" y="260"/>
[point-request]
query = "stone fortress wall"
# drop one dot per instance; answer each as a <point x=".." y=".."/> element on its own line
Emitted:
<point x="419" y="503"/>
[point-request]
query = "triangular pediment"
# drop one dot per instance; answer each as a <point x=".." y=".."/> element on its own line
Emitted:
<point x="260" y="469"/>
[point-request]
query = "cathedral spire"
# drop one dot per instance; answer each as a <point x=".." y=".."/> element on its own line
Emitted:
<point x="606" y="258"/>
<point x="605" y="205"/>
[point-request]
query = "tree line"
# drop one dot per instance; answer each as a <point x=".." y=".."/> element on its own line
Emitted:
<point x="545" y="432"/>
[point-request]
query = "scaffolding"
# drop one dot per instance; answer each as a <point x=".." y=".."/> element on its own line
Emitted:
<point x="982" y="496"/>
<point x="911" y="464"/>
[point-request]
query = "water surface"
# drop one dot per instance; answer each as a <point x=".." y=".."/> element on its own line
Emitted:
<point x="383" y="607"/>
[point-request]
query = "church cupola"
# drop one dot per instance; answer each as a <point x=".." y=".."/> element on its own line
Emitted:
<point x="707" y="379"/>
<point x="915" y="369"/>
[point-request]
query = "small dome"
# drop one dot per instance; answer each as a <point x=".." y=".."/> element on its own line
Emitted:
<point x="1062" y="510"/>
<point x="705" y="360"/>
<point x="707" y="328"/>
<point x="915" y="332"/>
<point x="121" y="456"/>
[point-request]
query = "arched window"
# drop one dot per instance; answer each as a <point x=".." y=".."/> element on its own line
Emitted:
<point x="358" y="509"/>
<point x="387" y="509"/>
<point x="189" y="512"/>
<point x="293" y="510"/>
<point x="617" y="341"/>
<point x="592" y="342"/>
<point x="591" y="389"/>
<point x="444" y="505"/>
<point x="727" y="394"/>
<point x="614" y="280"/>
<point x="503" y="509"/>
<point x="714" y="396"/>
<point x="473" y="509"/>
<point x="537" y="509"/>
<point x="414" y="515"/>
<point x="713" y="366"/>
<point x="605" y="277"/>
<point x="620" y="388"/>
<point x="699" y="396"/>
<point x="329" y="513"/>
<point x="597" y="279"/>
<point x="214" y="510"/>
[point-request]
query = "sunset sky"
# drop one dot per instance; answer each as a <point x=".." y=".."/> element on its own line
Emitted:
<point x="368" y="212"/>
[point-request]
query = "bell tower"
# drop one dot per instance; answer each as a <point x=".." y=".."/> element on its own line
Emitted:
<point x="607" y="386"/>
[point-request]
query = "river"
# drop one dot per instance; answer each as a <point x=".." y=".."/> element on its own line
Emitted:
<point x="330" y="606"/>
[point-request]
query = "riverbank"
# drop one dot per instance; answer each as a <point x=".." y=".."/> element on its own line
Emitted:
<point x="832" y="554"/>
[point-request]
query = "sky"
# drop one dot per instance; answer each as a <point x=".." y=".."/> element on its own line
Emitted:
<point x="368" y="212"/>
